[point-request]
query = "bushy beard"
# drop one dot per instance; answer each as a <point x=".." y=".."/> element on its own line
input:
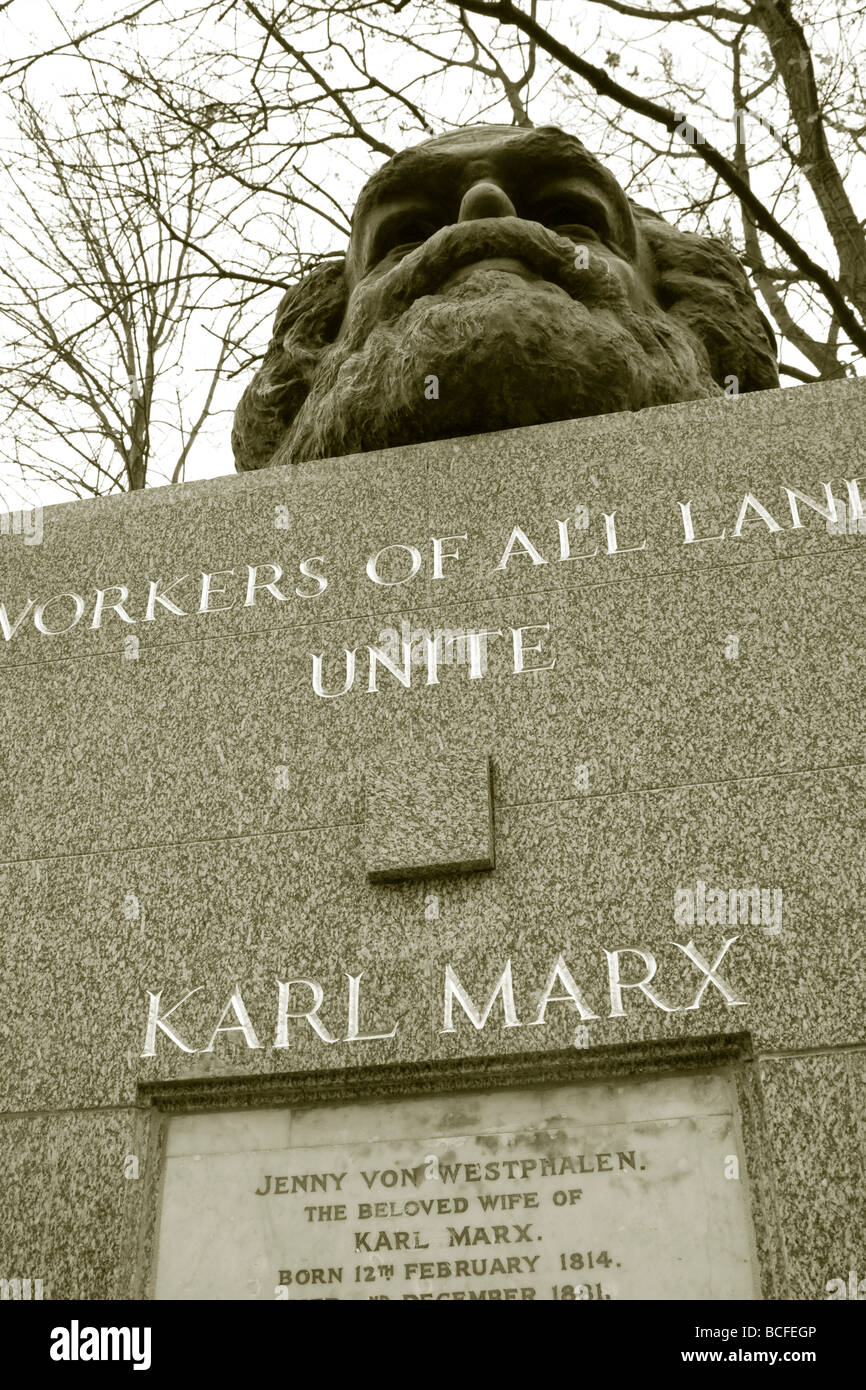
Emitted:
<point x="493" y="352"/>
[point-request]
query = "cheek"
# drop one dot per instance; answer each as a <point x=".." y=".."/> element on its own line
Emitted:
<point x="367" y="303"/>
<point x="356" y="307"/>
<point x="633" y="282"/>
<point x="356" y="278"/>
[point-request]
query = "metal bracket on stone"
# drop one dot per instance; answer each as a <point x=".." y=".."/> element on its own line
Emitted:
<point x="428" y="816"/>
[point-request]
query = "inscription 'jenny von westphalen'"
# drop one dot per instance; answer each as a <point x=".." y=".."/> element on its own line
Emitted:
<point x="518" y="1169"/>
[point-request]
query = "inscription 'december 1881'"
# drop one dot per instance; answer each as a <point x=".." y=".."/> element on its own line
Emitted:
<point x="622" y="1190"/>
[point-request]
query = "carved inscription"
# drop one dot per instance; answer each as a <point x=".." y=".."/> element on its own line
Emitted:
<point x="581" y="1193"/>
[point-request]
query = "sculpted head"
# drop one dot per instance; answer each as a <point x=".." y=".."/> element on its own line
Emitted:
<point x="495" y="277"/>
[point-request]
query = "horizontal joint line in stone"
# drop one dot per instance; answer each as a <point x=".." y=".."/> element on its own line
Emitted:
<point x="113" y="851"/>
<point x="829" y="1050"/>
<point x="680" y="786"/>
<point x="48" y="1112"/>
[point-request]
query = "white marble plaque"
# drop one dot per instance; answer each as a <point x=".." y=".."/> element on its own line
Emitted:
<point x="626" y="1190"/>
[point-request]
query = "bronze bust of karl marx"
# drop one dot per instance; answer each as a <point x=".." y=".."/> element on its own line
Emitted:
<point x="497" y="276"/>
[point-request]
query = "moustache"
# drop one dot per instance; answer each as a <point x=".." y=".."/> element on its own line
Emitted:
<point x="425" y="269"/>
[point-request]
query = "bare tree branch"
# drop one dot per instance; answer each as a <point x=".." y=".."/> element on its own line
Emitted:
<point x="506" y="13"/>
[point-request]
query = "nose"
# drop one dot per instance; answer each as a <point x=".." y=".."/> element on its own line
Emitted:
<point x="485" y="199"/>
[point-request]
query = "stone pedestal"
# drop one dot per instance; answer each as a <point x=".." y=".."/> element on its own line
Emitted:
<point x="523" y="764"/>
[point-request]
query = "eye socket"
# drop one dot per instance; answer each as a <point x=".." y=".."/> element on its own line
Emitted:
<point x="574" y="217"/>
<point x="402" y="233"/>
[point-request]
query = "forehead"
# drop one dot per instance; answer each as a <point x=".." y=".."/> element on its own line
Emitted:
<point x="449" y="160"/>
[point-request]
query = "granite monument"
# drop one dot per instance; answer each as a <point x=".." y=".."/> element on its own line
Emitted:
<point x="434" y="872"/>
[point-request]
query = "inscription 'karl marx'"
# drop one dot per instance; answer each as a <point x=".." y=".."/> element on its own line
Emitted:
<point x="561" y="988"/>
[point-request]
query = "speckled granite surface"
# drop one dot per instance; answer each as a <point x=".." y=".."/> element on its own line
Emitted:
<point x="191" y="813"/>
